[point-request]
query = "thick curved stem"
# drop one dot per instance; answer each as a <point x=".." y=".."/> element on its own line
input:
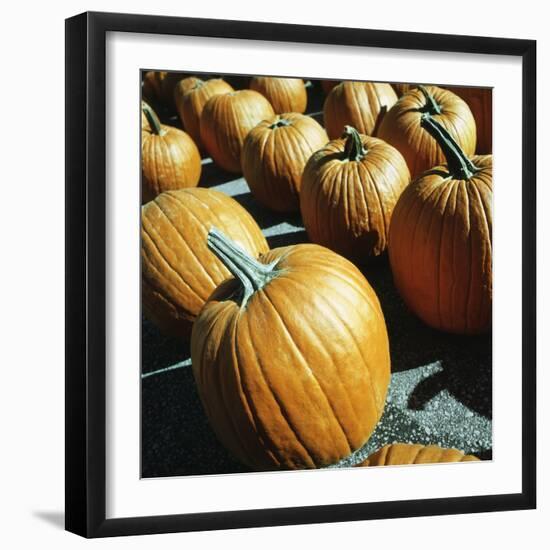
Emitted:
<point x="353" y="148"/>
<point x="460" y="166"/>
<point x="252" y="274"/>
<point x="432" y="106"/>
<point x="154" y="122"/>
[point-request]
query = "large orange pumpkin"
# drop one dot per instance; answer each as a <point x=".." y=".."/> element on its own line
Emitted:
<point x="480" y="101"/>
<point x="358" y="104"/>
<point x="169" y="158"/>
<point x="440" y="243"/>
<point x="409" y="453"/>
<point x="181" y="87"/>
<point x="274" y="155"/>
<point x="190" y="102"/>
<point x="178" y="271"/>
<point x="401" y="127"/>
<point x="291" y="357"/>
<point x="348" y="193"/>
<point x="226" y="120"/>
<point x="286" y="95"/>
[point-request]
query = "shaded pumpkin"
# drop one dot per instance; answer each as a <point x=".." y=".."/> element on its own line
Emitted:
<point x="169" y="158"/>
<point x="150" y="87"/>
<point x="168" y="85"/>
<point x="358" y="104"/>
<point x="191" y="99"/>
<point x="409" y="453"/>
<point x="402" y="88"/>
<point x="226" y="119"/>
<point x="327" y="85"/>
<point x="440" y="243"/>
<point x="274" y="155"/>
<point x="349" y="190"/>
<point x="480" y="101"/>
<point x="291" y="357"/>
<point x="401" y="127"/>
<point x="178" y="271"/>
<point x="286" y="95"/>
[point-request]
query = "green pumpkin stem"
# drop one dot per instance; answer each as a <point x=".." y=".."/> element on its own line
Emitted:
<point x="279" y="123"/>
<point x="353" y="148"/>
<point x="153" y="120"/>
<point x="460" y="166"/>
<point x="252" y="274"/>
<point x="431" y="104"/>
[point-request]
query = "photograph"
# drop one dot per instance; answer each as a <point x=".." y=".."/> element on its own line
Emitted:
<point x="316" y="273"/>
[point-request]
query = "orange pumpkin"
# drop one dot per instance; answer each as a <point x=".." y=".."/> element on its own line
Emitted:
<point x="190" y="101"/>
<point x="401" y="127"/>
<point x="440" y="243"/>
<point x="401" y="88"/>
<point x="348" y="193"/>
<point x="327" y="85"/>
<point x="167" y="87"/>
<point x="290" y="357"/>
<point x="226" y="120"/>
<point x="151" y="86"/>
<point x="169" y="158"/>
<point x="178" y="271"/>
<point x="358" y="104"/>
<point x="480" y="101"/>
<point x="274" y="155"/>
<point x="286" y="95"/>
<point x="408" y="453"/>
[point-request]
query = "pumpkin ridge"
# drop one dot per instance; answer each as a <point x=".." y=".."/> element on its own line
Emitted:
<point x="378" y="402"/>
<point x="282" y="409"/>
<point x="373" y="183"/>
<point x="310" y="370"/>
<point x="155" y="245"/>
<point x="190" y="248"/>
<point x="456" y="219"/>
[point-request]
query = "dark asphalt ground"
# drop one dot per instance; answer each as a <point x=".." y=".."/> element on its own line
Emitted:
<point x="440" y="392"/>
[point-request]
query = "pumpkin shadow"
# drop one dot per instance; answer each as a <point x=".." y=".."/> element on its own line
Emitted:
<point x="212" y="174"/>
<point x="176" y="438"/>
<point x="287" y="239"/>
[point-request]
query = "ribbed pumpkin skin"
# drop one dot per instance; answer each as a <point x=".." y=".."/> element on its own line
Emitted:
<point x="180" y="89"/>
<point x="402" y="88"/>
<point x="168" y="161"/>
<point x="178" y="271"/>
<point x="347" y="205"/>
<point x="408" y="453"/>
<point x="357" y="104"/>
<point x="401" y="128"/>
<point x="191" y="102"/>
<point x="226" y="120"/>
<point x="480" y="101"/>
<point x="151" y="86"/>
<point x="274" y="158"/>
<point x="440" y="248"/>
<point x="298" y="377"/>
<point x="327" y="85"/>
<point x="286" y="95"/>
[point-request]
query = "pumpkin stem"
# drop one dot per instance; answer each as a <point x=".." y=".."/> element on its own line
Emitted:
<point x="279" y="123"/>
<point x="153" y="120"/>
<point x="460" y="166"/>
<point x="432" y="106"/>
<point x="353" y="148"/>
<point x="252" y="274"/>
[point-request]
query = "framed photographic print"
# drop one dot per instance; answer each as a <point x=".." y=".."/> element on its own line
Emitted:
<point x="299" y="289"/>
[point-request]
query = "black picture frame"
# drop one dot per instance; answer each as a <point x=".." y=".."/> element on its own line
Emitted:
<point x="86" y="269"/>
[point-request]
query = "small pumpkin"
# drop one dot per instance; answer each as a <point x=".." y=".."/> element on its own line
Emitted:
<point x="291" y="357"/>
<point x="226" y="119"/>
<point x="274" y="155"/>
<point x="480" y="101"/>
<point x="358" y="104"/>
<point x="169" y="158"/>
<point x="408" y="453"/>
<point x="348" y="193"/>
<point x="178" y="271"/>
<point x="286" y="95"/>
<point x="440" y="242"/>
<point x="190" y="100"/>
<point x="401" y="127"/>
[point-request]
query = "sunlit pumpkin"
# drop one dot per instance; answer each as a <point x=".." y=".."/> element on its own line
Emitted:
<point x="409" y="453"/>
<point x="401" y="127"/>
<point x="225" y="121"/>
<point x="358" y="104"/>
<point x="440" y="242"/>
<point x="348" y="193"/>
<point x="178" y="271"/>
<point x="274" y="155"/>
<point x="286" y="95"/>
<point x="169" y="158"/>
<point x="291" y="356"/>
